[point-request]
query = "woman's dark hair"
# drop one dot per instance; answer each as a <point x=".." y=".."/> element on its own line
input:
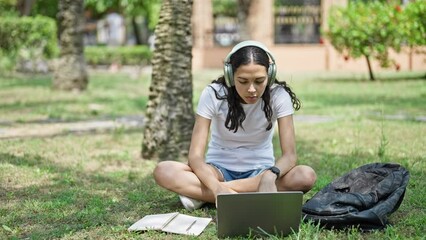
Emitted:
<point x="236" y="114"/>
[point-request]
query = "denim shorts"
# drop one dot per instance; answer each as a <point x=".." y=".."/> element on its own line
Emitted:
<point x="229" y="175"/>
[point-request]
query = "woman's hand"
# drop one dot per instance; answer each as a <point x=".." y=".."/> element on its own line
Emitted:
<point x="221" y="189"/>
<point x="267" y="182"/>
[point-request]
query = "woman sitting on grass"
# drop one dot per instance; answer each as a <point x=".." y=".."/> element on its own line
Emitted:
<point x="239" y="110"/>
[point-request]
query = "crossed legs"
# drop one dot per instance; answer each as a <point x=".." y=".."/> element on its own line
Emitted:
<point x="179" y="178"/>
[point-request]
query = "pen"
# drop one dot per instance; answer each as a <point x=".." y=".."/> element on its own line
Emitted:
<point x="190" y="226"/>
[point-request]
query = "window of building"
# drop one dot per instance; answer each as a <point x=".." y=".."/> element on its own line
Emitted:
<point x="297" y="21"/>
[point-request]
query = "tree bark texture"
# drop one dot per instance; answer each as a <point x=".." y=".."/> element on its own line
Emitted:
<point x="70" y="69"/>
<point x="25" y="6"/>
<point x="170" y="114"/>
<point x="242" y="17"/>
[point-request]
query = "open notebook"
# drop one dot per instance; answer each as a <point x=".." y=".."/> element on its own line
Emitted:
<point x="172" y="223"/>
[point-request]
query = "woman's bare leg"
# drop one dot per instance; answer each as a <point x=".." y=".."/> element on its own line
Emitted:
<point x="179" y="178"/>
<point x="300" y="178"/>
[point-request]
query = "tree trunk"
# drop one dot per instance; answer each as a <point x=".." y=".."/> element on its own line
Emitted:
<point x="170" y="115"/>
<point x="25" y="6"/>
<point x="370" y="70"/>
<point x="136" y="31"/>
<point x="70" y="70"/>
<point x="410" y="59"/>
<point x="242" y="17"/>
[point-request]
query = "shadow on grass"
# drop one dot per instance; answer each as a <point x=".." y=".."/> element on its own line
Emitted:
<point x="75" y="201"/>
<point x="21" y="105"/>
<point x="78" y="109"/>
<point x="139" y="102"/>
<point x="22" y="80"/>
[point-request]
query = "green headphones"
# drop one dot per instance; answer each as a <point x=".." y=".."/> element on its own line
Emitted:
<point x="227" y="67"/>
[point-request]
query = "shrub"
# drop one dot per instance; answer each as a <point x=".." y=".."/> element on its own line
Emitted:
<point x="26" y="39"/>
<point x="28" y="33"/>
<point x="126" y="55"/>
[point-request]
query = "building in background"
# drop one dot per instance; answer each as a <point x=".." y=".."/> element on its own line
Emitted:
<point x="292" y="31"/>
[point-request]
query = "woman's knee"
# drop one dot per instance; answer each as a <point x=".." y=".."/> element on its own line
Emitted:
<point x="164" y="173"/>
<point x="300" y="178"/>
<point x="308" y="178"/>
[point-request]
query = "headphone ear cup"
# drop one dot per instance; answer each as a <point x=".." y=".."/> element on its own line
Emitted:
<point x="272" y="73"/>
<point x="228" y="75"/>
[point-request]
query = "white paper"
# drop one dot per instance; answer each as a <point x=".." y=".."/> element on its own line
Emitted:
<point x="184" y="224"/>
<point x="154" y="222"/>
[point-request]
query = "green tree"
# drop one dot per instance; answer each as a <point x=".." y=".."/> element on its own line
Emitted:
<point x="8" y="8"/>
<point x="170" y="115"/>
<point x="413" y="26"/>
<point x="47" y="8"/>
<point x="225" y="7"/>
<point x="367" y="30"/>
<point x="133" y="9"/>
<point x="240" y="9"/>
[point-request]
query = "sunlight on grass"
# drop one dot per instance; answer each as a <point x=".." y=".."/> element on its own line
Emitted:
<point x="94" y="186"/>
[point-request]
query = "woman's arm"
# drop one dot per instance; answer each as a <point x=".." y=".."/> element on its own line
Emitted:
<point x="288" y="158"/>
<point x="196" y="156"/>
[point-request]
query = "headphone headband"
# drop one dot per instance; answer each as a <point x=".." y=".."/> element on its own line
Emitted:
<point x="246" y="44"/>
<point x="228" y="74"/>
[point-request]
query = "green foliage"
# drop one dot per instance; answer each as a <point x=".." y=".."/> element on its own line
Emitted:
<point x="24" y="36"/>
<point x="149" y="9"/>
<point x="47" y="8"/>
<point x="413" y="22"/>
<point x="8" y="8"/>
<point x="94" y="186"/>
<point x="366" y="29"/>
<point x="225" y="7"/>
<point x="127" y="55"/>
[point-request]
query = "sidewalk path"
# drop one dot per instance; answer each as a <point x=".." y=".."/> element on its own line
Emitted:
<point x="50" y="128"/>
<point x="56" y="128"/>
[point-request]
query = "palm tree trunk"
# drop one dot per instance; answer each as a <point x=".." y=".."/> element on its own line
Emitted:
<point x="170" y="115"/>
<point x="70" y="70"/>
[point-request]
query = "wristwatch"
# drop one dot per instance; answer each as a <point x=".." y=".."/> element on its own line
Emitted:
<point x="275" y="170"/>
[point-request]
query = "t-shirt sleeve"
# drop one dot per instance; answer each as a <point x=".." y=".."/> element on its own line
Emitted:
<point x="282" y="102"/>
<point x="207" y="103"/>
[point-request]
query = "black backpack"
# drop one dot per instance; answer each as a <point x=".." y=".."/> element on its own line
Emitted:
<point x="362" y="198"/>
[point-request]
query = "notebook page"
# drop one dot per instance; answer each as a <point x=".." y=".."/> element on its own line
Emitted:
<point x="189" y="225"/>
<point x="153" y="222"/>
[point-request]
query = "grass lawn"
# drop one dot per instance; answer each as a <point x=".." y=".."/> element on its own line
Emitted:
<point x="94" y="186"/>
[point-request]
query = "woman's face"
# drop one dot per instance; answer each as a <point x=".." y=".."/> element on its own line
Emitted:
<point x="250" y="82"/>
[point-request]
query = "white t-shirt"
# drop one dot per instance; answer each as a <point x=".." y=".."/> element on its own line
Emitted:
<point x="251" y="146"/>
